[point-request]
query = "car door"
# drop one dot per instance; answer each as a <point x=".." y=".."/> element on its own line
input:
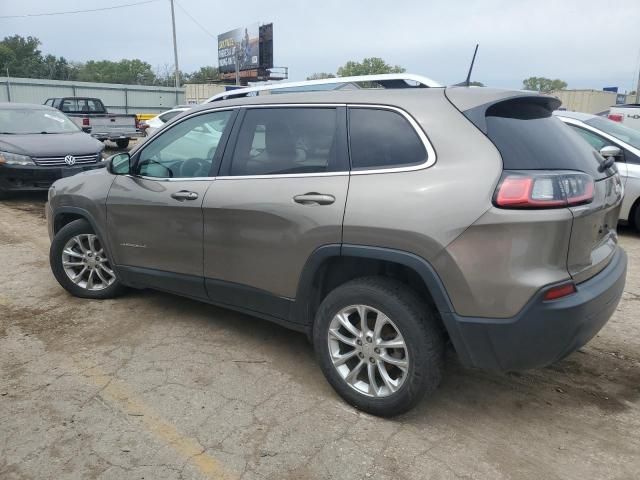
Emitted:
<point x="154" y="216"/>
<point x="280" y="195"/>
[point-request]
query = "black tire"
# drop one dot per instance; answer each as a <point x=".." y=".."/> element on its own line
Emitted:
<point x="636" y="217"/>
<point x="4" y="195"/>
<point x="122" y="143"/>
<point x="77" y="227"/>
<point x="415" y="321"/>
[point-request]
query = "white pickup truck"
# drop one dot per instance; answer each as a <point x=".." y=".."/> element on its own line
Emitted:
<point x="628" y="115"/>
<point x="91" y="115"/>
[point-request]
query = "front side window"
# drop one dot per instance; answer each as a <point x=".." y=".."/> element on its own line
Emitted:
<point x="596" y="141"/>
<point x="626" y="134"/>
<point x="383" y="139"/>
<point x="280" y="141"/>
<point x="186" y="150"/>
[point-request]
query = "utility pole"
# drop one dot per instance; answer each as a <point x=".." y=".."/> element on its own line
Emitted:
<point x="175" y="46"/>
<point x="237" y="59"/>
<point x="638" y="87"/>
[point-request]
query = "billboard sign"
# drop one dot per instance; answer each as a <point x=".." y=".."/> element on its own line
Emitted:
<point x="246" y="41"/>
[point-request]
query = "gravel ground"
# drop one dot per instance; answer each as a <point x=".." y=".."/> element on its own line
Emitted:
<point x="160" y="387"/>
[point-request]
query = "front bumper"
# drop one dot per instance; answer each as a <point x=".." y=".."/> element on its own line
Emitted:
<point x="543" y="332"/>
<point x="15" y="178"/>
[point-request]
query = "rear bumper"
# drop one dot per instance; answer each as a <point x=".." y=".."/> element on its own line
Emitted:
<point x="14" y="178"/>
<point x="116" y="135"/>
<point x="543" y="332"/>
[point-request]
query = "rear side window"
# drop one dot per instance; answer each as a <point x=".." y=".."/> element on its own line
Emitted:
<point x="530" y="138"/>
<point x="280" y="141"/>
<point x="383" y="139"/>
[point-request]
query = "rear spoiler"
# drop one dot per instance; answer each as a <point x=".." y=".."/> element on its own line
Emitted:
<point x="504" y="104"/>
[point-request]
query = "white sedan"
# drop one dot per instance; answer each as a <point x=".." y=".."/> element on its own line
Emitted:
<point x="158" y="121"/>
<point x="614" y="140"/>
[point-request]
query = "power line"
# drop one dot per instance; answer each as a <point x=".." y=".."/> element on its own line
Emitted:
<point x="78" y="11"/>
<point x="195" y="21"/>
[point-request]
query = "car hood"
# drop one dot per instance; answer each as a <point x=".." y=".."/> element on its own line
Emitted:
<point x="51" y="145"/>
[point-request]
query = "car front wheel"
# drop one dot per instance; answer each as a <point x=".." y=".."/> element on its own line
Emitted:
<point x="80" y="263"/>
<point x="378" y="345"/>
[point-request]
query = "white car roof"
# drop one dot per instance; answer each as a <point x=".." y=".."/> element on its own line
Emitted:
<point x="393" y="80"/>
<point x="583" y="117"/>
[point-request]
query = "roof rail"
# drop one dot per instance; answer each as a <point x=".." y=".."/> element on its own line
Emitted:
<point x="386" y="80"/>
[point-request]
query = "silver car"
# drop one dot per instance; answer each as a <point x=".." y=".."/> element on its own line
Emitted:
<point x="603" y="134"/>
<point x="383" y="223"/>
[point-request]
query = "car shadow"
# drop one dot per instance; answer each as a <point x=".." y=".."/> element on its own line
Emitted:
<point x="588" y="377"/>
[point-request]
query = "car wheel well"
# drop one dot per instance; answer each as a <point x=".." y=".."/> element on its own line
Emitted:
<point x="336" y="271"/>
<point x="63" y="219"/>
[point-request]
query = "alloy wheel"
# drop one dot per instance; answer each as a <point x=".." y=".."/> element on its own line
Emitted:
<point x="86" y="264"/>
<point x="368" y="351"/>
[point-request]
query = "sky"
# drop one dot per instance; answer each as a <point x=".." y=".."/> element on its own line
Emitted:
<point x="587" y="43"/>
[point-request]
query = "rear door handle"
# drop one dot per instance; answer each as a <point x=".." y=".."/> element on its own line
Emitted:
<point x="184" y="195"/>
<point x="313" y="198"/>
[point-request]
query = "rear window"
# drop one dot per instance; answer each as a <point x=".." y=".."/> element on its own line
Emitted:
<point x="530" y="138"/>
<point x="82" y="105"/>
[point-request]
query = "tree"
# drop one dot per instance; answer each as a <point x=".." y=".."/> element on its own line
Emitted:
<point x="125" y="71"/>
<point x="368" y="66"/>
<point x="204" y="75"/>
<point x="22" y="56"/>
<point x="320" y="76"/>
<point x="542" y="84"/>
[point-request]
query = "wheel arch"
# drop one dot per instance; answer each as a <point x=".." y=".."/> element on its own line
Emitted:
<point x="64" y="215"/>
<point x="333" y="265"/>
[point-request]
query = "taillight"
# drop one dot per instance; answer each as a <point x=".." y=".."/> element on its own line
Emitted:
<point x="616" y="117"/>
<point x="85" y="122"/>
<point x="544" y="189"/>
<point x="559" y="291"/>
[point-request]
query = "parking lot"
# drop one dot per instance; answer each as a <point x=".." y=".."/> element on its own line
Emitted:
<point x="160" y="387"/>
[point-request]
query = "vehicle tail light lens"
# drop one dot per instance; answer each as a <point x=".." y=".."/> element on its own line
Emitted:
<point x="616" y="117"/>
<point x="85" y="122"/>
<point x="543" y="189"/>
<point x="560" y="291"/>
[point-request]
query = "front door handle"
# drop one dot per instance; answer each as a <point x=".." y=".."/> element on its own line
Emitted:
<point x="313" y="198"/>
<point x="184" y="195"/>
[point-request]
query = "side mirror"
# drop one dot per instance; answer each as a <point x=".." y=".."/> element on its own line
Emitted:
<point x="119" y="164"/>
<point x="86" y="129"/>
<point x="610" y="151"/>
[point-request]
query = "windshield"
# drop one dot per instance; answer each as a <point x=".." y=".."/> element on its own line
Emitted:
<point x="31" y="121"/>
<point x="626" y="134"/>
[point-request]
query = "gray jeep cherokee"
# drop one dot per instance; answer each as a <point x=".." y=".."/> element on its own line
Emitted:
<point x="384" y="223"/>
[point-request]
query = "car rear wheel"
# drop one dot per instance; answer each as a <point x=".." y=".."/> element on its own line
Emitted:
<point x="379" y="345"/>
<point x="80" y="264"/>
<point x="122" y="143"/>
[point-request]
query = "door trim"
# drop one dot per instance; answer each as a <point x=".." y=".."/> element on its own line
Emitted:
<point x="140" y="277"/>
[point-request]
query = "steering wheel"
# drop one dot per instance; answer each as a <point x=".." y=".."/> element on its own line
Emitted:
<point x="194" y="167"/>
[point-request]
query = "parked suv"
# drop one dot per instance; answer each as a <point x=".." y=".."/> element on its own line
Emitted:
<point x="383" y="223"/>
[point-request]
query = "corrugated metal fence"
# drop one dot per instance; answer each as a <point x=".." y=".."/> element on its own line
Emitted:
<point x="118" y="98"/>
